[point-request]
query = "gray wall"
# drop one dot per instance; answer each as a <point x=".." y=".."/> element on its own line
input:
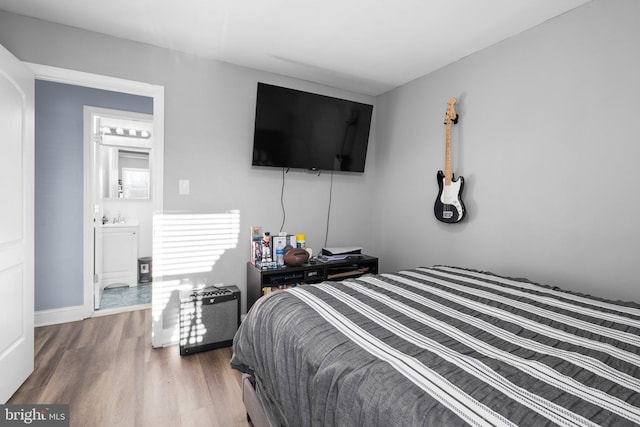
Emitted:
<point x="548" y="144"/>
<point x="59" y="152"/>
<point x="209" y="113"/>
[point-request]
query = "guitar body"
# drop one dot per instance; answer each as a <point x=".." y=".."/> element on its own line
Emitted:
<point x="449" y="206"/>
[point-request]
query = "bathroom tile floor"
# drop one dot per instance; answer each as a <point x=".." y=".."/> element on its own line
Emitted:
<point x="125" y="296"/>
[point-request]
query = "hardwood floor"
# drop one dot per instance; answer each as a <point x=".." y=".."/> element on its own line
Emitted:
<point x="108" y="373"/>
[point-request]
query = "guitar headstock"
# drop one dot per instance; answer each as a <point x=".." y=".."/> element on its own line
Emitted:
<point x="451" y="115"/>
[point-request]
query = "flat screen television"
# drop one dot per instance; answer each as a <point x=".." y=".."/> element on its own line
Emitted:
<point x="302" y="130"/>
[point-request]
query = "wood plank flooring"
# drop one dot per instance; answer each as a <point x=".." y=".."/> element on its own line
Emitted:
<point x="108" y="373"/>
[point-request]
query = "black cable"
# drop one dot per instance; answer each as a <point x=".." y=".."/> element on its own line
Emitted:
<point x="284" y="213"/>
<point x="326" y="234"/>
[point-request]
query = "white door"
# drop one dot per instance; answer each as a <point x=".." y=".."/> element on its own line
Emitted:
<point x="97" y="264"/>
<point x="97" y="176"/>
<point x="16" y="223"/>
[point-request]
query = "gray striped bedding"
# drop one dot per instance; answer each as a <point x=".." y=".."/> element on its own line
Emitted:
<point x="442" y="346"/>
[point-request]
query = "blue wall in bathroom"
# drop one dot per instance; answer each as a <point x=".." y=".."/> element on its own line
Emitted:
<point x="59" y="185"/>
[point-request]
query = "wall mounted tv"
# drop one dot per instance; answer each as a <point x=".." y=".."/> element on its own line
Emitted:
<point x="302" y="130"/>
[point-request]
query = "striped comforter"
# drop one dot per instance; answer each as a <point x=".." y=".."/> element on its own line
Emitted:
<point x="442" y="346"/>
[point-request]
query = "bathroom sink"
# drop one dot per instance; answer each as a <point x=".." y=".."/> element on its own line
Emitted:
<point x="127" y="223"/>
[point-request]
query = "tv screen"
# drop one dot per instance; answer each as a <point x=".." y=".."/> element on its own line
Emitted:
<point x="296" y="129"/>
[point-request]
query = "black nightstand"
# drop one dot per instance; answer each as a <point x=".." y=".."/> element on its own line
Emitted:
<point x="258" y="279"/>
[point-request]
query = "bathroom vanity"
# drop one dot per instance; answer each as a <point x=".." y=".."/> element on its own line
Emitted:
<point x="119" y="253"/>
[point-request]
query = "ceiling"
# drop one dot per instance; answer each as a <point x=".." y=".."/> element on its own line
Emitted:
<point x="365" y="46"/>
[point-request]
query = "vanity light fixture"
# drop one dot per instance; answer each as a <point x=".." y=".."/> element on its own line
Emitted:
<point x="131" y="133"/>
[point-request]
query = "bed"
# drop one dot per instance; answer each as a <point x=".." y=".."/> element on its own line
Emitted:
<point x="439" y="346"/>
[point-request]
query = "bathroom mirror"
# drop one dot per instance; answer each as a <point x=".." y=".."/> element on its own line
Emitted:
<point x="125" y="173"/>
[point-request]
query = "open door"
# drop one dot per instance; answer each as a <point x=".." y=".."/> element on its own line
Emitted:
<point x="97" y="178"/>
<point x="16" y="223"/>
<point x="97" y="265"/>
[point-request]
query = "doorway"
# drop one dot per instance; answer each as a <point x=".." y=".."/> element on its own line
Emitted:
<point x="122" y="158"/>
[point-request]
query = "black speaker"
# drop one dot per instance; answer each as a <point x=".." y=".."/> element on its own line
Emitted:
<point x="209" y="318"/>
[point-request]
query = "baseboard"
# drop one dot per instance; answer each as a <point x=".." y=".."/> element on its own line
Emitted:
<point x="110" y="311"/>
<point x="60" y="315"/>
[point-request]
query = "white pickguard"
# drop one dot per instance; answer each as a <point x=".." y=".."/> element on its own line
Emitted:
<point x="450" y="195"/>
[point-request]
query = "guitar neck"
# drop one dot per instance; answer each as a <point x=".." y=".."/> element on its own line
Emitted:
<point x="448" y="173"/>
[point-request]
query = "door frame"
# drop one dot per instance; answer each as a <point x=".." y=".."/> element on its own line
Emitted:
<point x="96" y="81"/>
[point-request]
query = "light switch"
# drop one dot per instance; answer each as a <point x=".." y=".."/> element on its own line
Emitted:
<point x="183" y="187"/>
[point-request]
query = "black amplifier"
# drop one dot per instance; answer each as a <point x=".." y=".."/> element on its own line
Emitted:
<point x="209" y="318"/>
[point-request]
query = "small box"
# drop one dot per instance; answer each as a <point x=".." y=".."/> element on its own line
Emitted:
<point x="256" y="245"/>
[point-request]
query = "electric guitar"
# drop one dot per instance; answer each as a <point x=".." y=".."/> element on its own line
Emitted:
<point x="449" y="207"/>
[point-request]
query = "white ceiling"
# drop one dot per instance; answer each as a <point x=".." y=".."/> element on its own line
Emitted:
<point x="366" y="46"/>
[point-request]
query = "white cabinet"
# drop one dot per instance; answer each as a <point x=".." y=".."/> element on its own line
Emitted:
<point x="119" y="254"/>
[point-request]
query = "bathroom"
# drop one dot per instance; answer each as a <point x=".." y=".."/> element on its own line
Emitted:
<point x="123" y="210"/>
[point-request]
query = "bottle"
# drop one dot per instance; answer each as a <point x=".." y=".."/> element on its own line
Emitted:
<point x="300" y="242"/>
<point x="280" y="254"/>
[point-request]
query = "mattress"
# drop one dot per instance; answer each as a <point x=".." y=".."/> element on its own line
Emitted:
<point x="442" y="346"/>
